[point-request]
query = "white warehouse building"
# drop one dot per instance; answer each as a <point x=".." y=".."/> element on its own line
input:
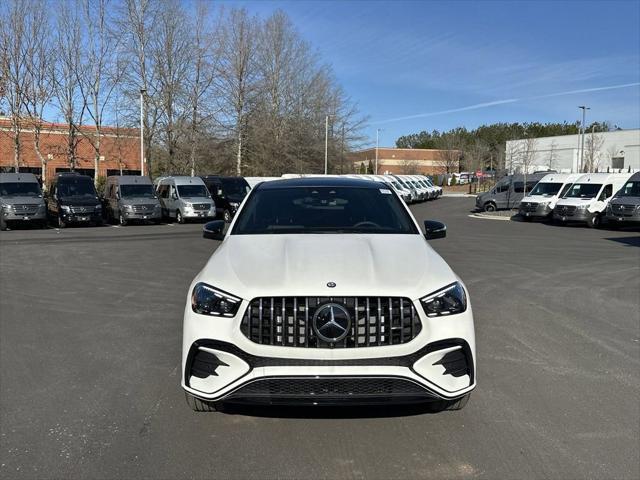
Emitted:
<point x="614" y="151"/>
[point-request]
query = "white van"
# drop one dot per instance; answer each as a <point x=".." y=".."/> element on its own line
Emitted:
<point x="540" y="202"/>
<point x="184" y="198"/>
<point x="586" y="200"/>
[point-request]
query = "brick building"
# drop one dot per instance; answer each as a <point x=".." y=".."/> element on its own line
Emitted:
<point x="119" y="149"/>
<point x="402" y="160"/>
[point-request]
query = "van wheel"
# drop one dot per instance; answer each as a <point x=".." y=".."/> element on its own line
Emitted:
<point x="593" y="221"/>
<point x="179" y="217"/>
<point x="227" y="216"/>
<point x="198" y="405"/>
<point x="121" y="220"/>
<point x="490" y="207"/>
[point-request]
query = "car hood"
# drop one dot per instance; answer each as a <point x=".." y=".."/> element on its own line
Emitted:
<point x="538" y="198"/>
<point x="574" y="201"/>
<point x="251" y="266"/>
<point x="625" y="201"/>
<point x="22" y="201"/>
<point x="196" y="199"/>
<point x="139" y="201"/>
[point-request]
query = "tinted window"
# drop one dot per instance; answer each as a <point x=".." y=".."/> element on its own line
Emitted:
<point x="546" y="188"/>
<point x="503" y="187"/>
<point x="631" y="189"/>
<point x="323" y="210"/>
<point x="76" y="187"/>
<point x="19" y="189"/>
<point x="187" y="191"/>
<point x="235" y="186"/>
<point x="136" y="191"/>
<point x="583" y="190"/>
<point x="565" y="189"/>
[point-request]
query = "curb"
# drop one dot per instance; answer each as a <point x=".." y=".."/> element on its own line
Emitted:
<point x="491" y="217"/>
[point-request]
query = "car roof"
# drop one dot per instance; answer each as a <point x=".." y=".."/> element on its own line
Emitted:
<point x="319" y="182"/>
<point x="18" y="177"/>
<point x="129" y="179"/>
<point x="182" y="180"/>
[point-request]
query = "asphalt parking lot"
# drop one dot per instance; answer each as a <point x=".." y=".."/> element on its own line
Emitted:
<point x="90" y="343"/>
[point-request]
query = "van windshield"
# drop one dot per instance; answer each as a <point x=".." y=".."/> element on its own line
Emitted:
<point x="546" y="189"/>
<point x="187" y="191"/>
<point x="236" y="187"/>
<point x="20" y="189"/>
<point x="137" y="191"/>
<point x="583" y="190"/>
<point x="631" y="189"/>
<point x="77" y="187"/>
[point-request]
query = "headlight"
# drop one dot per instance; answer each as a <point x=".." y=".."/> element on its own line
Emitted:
<point x="157" y="206"/>
<point x="188" y="205"/>
<point x="234" y="205"/>
<point x="206" y="300"/>
<point x="582" y="207"/>
<point x="448" y="301"/>
<point x="7" y="208"/>
<point x="65" y="208"/>
<point x="99" y="208"/>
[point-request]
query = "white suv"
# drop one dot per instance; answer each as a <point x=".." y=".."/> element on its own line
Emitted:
<point x="325" y="291"/>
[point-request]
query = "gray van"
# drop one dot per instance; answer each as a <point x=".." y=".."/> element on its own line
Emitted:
<point x="130" y="198"/>
<point x="508" y="192"/>
<point x="21" y="200"/>
<point x="624" y="207"/>
<point x="184" y="198"/>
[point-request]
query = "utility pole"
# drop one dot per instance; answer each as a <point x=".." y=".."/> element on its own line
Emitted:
<point x="377" y="145"/>
<point x="142" y="92"/>
<point x="326" y="144"/>
<point x="584" y="109"/>
<point x="342" y="151"/>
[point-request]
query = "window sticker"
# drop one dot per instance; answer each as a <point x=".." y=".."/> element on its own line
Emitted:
<point x="386" y="191"/>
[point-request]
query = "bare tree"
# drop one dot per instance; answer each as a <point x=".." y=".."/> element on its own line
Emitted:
<point x="16" y="44"/>
<point x="238" y="73"/>
<point x="592" y="154"/>
<point x="526" y="157"/>
<point x="450" y="152"/>
<point x="65" y="74"/>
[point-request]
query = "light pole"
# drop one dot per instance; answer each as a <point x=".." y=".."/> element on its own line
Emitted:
<point x="326" y="144"/>
<point x="142" y="92"/>
<point x="377" y="145"/>
<point x="584" y="109"/>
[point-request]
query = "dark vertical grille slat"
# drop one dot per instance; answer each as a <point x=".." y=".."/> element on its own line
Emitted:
<point x="267" y="321"/>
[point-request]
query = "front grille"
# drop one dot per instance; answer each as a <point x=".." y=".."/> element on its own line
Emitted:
<point x="567" y="210"/>
<point x="201" y="206"/>
<point x="82" y="210"/>
<point x="287" y="321"/>
<point x="623" y="209"/>
<point x="529" y="207"/>
<point x="318" y="388"/>
<point x="143" y="208"/>
<point x="25" y="208"/>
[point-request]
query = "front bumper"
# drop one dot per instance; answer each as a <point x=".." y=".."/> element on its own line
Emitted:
<point x="541" y="211"/>
<point x="93" y="217"/>
<point x="579" y="216"/>
<point x="623" y="219"/>
<point x="199" y="214"/>
<point x="220" y="364"/>
<point x="13" y="216"/>
<point x="152" y="215"/>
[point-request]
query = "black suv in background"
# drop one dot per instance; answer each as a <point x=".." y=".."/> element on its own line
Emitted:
<point x="73" y="199"/>
<point x="227" y="193"/>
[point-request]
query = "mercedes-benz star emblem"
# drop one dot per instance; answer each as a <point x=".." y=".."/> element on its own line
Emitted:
<point x="331" y="322"/>
<point x="331" y="284"/>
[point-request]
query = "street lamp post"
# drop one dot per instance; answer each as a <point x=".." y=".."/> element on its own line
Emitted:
<point x="377" y="145"/>
<point x="142" y="92"/>
<point x="326" y="144"/>
<point x="584" y="109"/>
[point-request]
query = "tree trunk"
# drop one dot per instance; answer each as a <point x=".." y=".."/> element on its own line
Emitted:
<point x="239" y="154"/>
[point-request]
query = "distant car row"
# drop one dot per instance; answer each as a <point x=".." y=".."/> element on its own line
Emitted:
<point x="73" y="199"/>
<point x="411" y="188"/>
<point x="591" y="198"/>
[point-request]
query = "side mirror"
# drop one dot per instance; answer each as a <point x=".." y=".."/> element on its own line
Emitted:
<point x="213" y="230"/>
<point x="434" y="229"/>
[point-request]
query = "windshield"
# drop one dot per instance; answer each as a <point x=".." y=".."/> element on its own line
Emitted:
<point x="546" y="189"/>
<point x="583" y="190"/>
<point x="137" y="191"/>
<point x="323" y="210"/>
<point x="236" y="187"/>
<point x="187" y="191"/>
<point x="631" y="189"/>
<point x="76" y="187"/>
<point x="20" y="189"/>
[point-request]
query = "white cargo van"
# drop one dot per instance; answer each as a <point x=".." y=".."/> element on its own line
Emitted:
<point x="586" y="200"/>
<point x="540" y="202"/>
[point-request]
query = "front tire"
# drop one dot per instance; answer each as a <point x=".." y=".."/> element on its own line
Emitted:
<point x="593" y="221"/>
<point x="489" y="207"/>
<point x="179" y="217"/>
<point x="198" y="405"/>
<point x="121" y="220"/>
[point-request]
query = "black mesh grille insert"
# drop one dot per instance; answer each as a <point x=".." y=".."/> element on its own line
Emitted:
<point x="287" y="321"/>
<point x="329" y="387"/>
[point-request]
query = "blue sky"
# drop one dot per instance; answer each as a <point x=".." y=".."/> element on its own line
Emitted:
<point x="467" y="63"/>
